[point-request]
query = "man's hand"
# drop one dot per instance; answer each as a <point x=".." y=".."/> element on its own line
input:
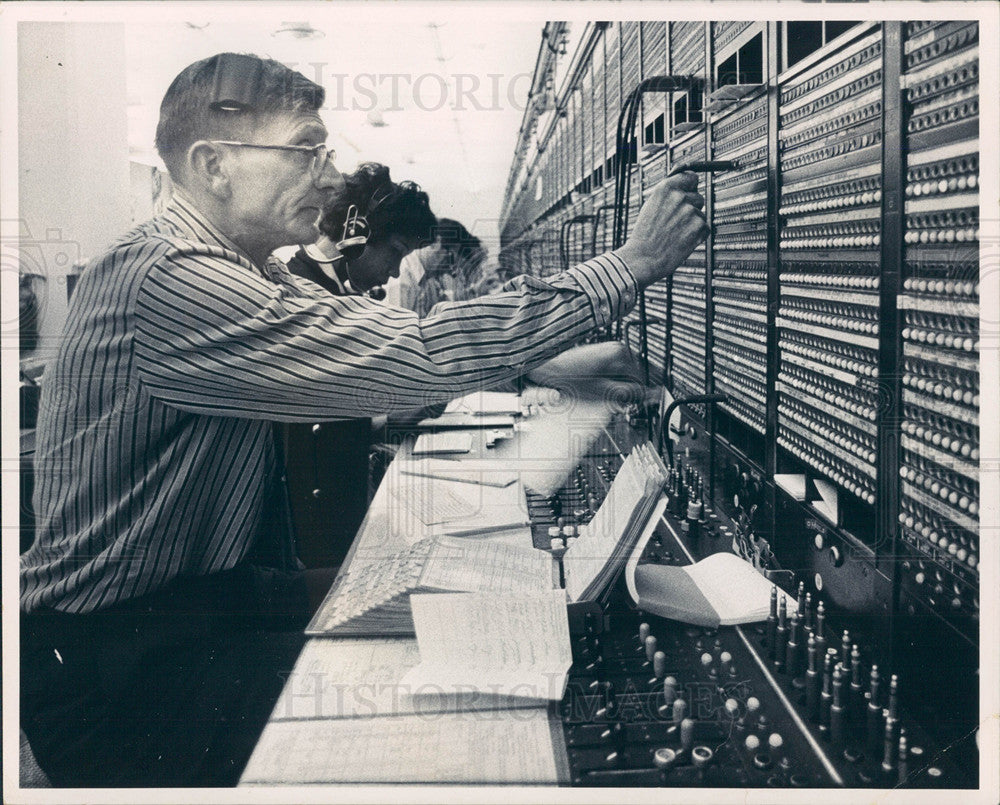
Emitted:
<point x="670" y="225"/>
<point x="606" y="371"/>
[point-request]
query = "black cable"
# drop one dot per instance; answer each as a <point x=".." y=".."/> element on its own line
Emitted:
<point x="624" y="140"/>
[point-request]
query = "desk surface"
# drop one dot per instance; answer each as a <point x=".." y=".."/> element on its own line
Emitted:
<point x="343" y="716"/>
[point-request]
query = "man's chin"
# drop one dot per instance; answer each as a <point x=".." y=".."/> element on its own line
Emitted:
<point x="306" y="232"/>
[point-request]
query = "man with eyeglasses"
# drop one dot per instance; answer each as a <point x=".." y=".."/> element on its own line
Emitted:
<point x="161" y="601"/>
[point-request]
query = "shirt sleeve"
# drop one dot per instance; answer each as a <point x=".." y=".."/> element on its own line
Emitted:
<point x="214" y="338"/>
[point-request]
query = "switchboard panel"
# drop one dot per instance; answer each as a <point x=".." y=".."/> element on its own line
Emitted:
<point x="832" y="314"/>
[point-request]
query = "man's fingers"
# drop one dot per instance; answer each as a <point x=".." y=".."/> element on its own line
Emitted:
<point x="684" y="181"/>
<point x="618" y="393"/>
<point x="696" y="200"/>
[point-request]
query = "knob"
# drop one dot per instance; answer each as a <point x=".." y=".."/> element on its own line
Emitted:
<point x="669" y="690"/>
<point x="650" y="645"/>
<point x="659" y="664"/>
<point x="687" y="734"/>
<point x="701" y="756"/>
<point x="664" y="758"/>
<point x="680" y="710"/>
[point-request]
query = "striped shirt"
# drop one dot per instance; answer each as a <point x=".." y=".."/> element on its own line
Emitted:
<point x="154" y="443"/>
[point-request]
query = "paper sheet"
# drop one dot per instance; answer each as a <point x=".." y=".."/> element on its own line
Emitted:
<point x="486" y="402"/>
<point x="547" y="447"/>
<point x="482" y="472"/>
<point x="444" y="443"/>
<point x="640" y="546"/>
<point x="734" y="588"/>
<point x="587" y="558"/>
<point x="503" y="746"/>
<point x="434" y="501"/>
<point x="348" y="678"/>
<point x="457" y="564"/>
<point x="516" y="645"/>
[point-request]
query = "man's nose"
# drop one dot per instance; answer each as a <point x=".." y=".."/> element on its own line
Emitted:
<point x="331" y="180"/>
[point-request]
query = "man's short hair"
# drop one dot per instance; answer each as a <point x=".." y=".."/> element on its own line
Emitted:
<point x="390" y="208"/>
<point x="190" y="112"/>
<point x="453" y="235"/>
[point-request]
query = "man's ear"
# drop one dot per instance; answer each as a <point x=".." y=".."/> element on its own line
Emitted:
<point x="207" y="169"/>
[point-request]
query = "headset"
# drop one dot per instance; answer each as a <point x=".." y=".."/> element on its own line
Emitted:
<point x="355" y="237"/>
<point x="353" y="242"/>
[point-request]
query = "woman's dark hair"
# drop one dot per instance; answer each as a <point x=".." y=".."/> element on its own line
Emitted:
<point x="391" y="208"/>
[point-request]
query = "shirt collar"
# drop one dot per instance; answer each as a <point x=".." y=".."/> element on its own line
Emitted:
<point x="329" y="267"/>
<point x="318" y="255"/>
<point x="190" y="221"/>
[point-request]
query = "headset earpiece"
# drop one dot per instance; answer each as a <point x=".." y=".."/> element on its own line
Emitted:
<point x="355" y="236"/>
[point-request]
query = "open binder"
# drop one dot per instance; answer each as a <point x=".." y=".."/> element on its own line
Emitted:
<point x="375" y="600"/>
<point x="629" y="511"/>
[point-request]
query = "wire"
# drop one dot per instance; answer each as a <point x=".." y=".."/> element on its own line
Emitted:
<point x="625" y="140"/>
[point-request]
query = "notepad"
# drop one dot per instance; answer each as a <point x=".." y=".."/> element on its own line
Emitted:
<point x="720" y="590"/>
<point x="483" y="473"/>
<point x="442" y="444"/>
<point x="492" y="644"/>
<point x="603" y="548"/>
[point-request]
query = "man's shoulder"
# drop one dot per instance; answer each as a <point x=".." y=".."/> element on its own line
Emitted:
<point x="158" y="242"/>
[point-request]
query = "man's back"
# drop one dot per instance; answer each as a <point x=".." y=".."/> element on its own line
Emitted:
<point x="131" y="491"/>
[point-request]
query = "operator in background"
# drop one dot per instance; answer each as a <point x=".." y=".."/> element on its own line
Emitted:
<point x="392" y="219"/>
<point x="453" y="268"/>
<point x="161" y="601"/>
<point x="329" y="464"/>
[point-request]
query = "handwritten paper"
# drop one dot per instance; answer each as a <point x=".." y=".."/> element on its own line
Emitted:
<point x="375" y="599"/>
<point x="511" y="645"/>
<point x="363" y="678"/>
<point x="502" y="746"/>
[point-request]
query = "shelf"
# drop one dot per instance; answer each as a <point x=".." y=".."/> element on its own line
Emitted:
<point x="846" y="378"/>
<point x="949" y="461"/>
<point x="960" y="413"/>
<point x="945" y="306"/>
<point x="825" y="332"/>
<point x="945" y="357"/>
<point x="940" y="507"/>
<point x="842" y="297"/>
<point x="823" y="406"/>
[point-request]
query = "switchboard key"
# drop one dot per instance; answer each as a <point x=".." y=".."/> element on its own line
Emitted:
<point x="584" y="735"/>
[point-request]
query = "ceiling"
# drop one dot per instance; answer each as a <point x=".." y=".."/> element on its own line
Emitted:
<point x="437" y="97"/>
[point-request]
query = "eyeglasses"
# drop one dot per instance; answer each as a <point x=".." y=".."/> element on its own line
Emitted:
<point x="322" y="157"/>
